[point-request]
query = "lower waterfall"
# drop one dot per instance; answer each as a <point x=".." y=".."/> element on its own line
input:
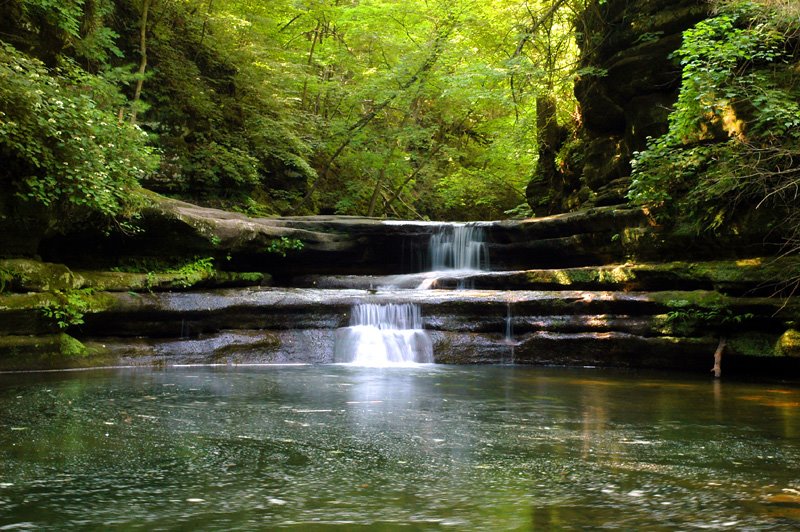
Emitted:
<point x="383" y="335"/>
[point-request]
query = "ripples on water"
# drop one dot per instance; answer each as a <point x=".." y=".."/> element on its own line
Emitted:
<point x="495" y="448"/>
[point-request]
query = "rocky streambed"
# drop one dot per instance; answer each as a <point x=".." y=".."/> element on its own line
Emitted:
<point x="574" y="289"/>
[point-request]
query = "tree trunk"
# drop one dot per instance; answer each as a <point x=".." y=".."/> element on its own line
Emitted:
<point x="373" y="201"/>
<point x="142" y="59"/>
<point x="309" y="62"/>
<point x="717" y="369"/>
<point x="205" y="24"/>
<point x="547" y="180"/>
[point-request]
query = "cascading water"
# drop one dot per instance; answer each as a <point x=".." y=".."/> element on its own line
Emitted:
<point x="458" y="247"/>
<point x="383" y="335"/>
<point x="509" y="333"/>
<point x="392" y="334"/>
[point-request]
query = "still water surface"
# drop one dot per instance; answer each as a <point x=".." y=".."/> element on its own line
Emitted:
<point x="427" y="448"/>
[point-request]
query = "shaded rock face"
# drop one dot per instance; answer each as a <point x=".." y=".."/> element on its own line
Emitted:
<point x="626" y="93"/>
<point x="563" y="325"/>
<point x="364" y="246"/>
<point x="581" y="288"/>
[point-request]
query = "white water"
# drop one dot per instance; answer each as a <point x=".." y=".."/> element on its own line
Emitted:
<point x="384" y="335"/>
<point x="509" y="336"/>
<point x="392" y="334"/>
<point x="509" y="333"/>
<point x="458" y="247"/>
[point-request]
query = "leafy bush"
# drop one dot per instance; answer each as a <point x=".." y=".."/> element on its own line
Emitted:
<point x="68" y="307"/>
<point x="714" y="316"/>
<point x="61" y="149"/>
<point x="733" y="138"/>
<point x="283" y="245"/>
<point x="193" y="272"/>
<point x="216" y="167"/>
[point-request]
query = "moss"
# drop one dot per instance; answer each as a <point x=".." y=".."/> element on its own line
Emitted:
<point x="789" y="344"/>
<point x="27" y="275"/>
<point x="12" y="302"/>
<point x="666" y="325"/>
<point x="224" y="279"/>
<point x="154" y="281"/>
<point x="67" y="308"/>
<point x="737" y="276"/>
<point x="16" y="345"/>
<point x="613" y="275"/>
<point x="753" y="344"/>
<point x="687" y="299"/>
<point x="71" y="347"/>
<point x="252" y="277"/>
<point x="52" y="351"/>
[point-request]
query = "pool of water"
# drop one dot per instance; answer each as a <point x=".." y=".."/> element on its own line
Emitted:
<point x="430" y="447"/>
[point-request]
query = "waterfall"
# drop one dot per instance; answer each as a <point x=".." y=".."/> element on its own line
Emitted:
<point x="509" y="334"/>
<point x="458" y="247"/>
<point x="383" y="335"/>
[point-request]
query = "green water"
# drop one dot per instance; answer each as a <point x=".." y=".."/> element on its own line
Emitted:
<point x="464" y="448"/>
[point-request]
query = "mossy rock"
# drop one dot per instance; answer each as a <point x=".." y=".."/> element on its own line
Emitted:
<point x="752" y="344"/>
<point x="789" y="344"/>
<point x="52" y="351"/>
<point x="156" y="281"/>
<point x="28" y="275"/>
<point x="687" y="299"/>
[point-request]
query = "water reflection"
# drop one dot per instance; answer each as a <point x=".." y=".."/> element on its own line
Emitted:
<point x="474" y="448"/>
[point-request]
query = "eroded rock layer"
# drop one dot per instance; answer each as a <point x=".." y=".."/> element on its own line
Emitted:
<point x="597" y="287"/>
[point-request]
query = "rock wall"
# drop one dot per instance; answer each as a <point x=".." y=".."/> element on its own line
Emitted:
<point x="628" y="87"/>
<point x="583" y="288"/>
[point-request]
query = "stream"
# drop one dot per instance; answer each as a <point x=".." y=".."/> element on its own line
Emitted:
<point x="422" y="448"/>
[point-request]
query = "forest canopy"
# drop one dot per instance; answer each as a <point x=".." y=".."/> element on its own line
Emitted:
<point x="426" y="109"/>
<point x="416" y="109"/>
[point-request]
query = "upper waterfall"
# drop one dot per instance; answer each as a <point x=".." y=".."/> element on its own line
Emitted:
<point x="458" y="247"/>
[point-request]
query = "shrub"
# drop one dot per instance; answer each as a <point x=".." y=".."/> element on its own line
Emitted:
<point x="62" y="149"/>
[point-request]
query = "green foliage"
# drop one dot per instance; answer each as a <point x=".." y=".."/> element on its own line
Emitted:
<point x="193" y="272"/>
<point x="215" y="112"/>
<point x="520" y="212"/>
<point x="67" y="308"/>
<point x="6" y="276"/>
<point x="142" y="265"/>
<point x="713" y="316"/>
<point x="733" y="137"/>
<point x="283" y="245"/>
<point x="372" y="107"/>
<point x="217" y="167"/>
<point x="395" y="109"/>
<point x="182" y="273"/>
<point x="60" y="148"/>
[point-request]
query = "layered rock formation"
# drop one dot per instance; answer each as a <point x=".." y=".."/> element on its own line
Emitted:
<point x="583" y="288"/>
<point x="628" y="86"/>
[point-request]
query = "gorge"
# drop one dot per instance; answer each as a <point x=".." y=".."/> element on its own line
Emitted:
<point x="587" y="288"/>
<point x="383" y="265"/>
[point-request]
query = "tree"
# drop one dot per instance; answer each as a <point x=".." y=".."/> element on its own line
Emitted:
<point x="142" y="59"/>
